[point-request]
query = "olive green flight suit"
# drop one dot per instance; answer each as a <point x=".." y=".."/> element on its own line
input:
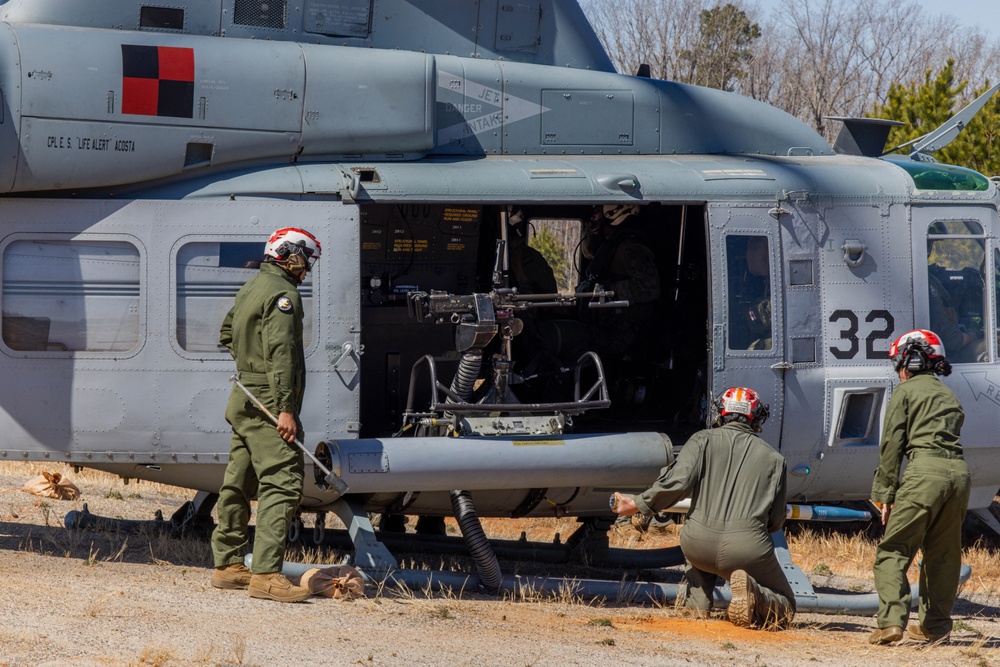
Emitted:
<point x="737" y="486"/>
<point x="923" y="422"/>
<point x="263" y="331"/>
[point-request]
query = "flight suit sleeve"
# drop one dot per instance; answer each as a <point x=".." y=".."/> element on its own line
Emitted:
<point x="226" y="333"/>
<point x="676" y="480"/>
<point x="776" y="517"/>
<point x="891" y="451"/>
<point x="643" y="282"/>
<point x="282" y="340"/>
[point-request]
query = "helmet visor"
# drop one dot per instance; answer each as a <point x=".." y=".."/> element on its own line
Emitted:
<point x="308" y="253"/>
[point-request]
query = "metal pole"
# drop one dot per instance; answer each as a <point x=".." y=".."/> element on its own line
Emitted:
<point x="334" y="482"/>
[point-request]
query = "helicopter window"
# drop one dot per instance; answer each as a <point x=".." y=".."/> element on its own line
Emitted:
<point x="857" y="412"/>
<point x="71" y="296"/>
<point x="749" y="293"/>
<point x="956" y="258"/>
<point x="996" y="284"/>
<point x="937" y="176"/>
<point x="209" y="273"/>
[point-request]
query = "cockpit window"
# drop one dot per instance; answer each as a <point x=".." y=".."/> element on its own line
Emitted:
<point x="749" y="293"/>
<point x="937" y="176"/>
<point x="996" y="287"/>
<point x="956" y="294"/>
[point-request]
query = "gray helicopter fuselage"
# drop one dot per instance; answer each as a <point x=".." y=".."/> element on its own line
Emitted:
<point x="135" y="193"/>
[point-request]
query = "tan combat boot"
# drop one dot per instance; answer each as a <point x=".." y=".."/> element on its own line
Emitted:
<point x="744" y="600"/>
<point x="236" y="575"/>
<point x="274" y="586"/>
<point x="917" y="633"/>
<point x="882" y="636"/>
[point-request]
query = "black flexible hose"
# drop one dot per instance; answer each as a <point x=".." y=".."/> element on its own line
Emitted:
<point x="465" y="377"/>
<point x="479" y="546"/>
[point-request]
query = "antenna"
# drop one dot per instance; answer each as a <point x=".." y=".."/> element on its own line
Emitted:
<point x="944" y="135"/>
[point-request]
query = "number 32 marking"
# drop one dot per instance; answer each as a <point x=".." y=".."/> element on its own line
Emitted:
<point x="849" y="333"/>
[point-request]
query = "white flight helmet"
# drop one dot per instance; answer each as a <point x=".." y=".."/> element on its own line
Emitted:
<point x="616" y="213"/>
<point x="295" y="248"/>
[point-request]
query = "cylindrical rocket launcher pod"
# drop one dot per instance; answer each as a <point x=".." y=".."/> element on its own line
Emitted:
<point x="799" y="512"/>
<point x="433" y="464"/>
<point x="824" y="513"/>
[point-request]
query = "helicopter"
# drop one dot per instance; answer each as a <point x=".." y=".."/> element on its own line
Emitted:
<point x="146" y="153"/>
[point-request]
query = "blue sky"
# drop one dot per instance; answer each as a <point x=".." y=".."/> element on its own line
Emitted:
<point x="982" y="13"/>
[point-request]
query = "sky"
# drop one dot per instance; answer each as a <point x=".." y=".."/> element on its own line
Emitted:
<point x="982" y="13"/>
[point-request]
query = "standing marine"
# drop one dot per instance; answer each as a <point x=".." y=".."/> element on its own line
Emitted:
<point x="925" y="510"/>
<point x="737" y="484"/>
<point x="622" y="261"/>
<point x="263" y="332"/>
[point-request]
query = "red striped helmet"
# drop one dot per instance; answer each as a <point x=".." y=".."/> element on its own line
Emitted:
<point x="741" y="404"/>
<point x="289" y="242"/>
<point x="916" y="350"/>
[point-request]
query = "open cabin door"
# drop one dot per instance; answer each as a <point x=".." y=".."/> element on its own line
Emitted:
<point x="747" y="327"/>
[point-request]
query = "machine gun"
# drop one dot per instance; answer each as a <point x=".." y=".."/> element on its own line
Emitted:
<point x="477" y="315"/>
<point x="478" y="318"/>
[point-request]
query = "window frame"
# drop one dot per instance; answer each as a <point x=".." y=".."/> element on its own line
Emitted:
<point x="69" y="238"/>
<point x="982" y="236"/>
<point x="309" y="294"/>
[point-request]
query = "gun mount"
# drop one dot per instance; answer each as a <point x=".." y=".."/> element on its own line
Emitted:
<point x="478" y="318"/>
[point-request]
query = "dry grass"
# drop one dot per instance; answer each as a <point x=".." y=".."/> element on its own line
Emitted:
<point x="815" y="552"/>
<point x="97" y="483"/>
<point x="154" y="657"/>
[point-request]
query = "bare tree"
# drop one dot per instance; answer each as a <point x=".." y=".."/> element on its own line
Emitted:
<point x="814" y="58"/>
<point x="896" y="42"/>
<point x="821" y="63"/>
<point x="977" y="60"/>
<point x="655" y="32"/>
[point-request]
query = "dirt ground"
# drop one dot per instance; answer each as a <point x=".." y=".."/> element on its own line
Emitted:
<point x="97" y="599"/>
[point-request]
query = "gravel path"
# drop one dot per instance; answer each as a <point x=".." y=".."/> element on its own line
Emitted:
<point x="89" y="599"/>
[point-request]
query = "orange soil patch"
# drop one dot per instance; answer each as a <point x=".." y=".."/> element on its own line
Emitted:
<point x="721" y="631"/>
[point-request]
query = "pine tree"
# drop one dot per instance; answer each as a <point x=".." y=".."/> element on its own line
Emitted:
<point x="544" y="241"/>
<point x="925" y="107"/>
<point x="724" y="48"/>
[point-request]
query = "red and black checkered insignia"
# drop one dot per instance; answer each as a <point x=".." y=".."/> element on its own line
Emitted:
<point x="158" y="81"/>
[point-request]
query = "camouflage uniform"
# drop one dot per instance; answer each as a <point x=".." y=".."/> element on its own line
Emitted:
<point x="263" y="331"/>
<point x="923" y="422"/>
<point x="737" y="486"/>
